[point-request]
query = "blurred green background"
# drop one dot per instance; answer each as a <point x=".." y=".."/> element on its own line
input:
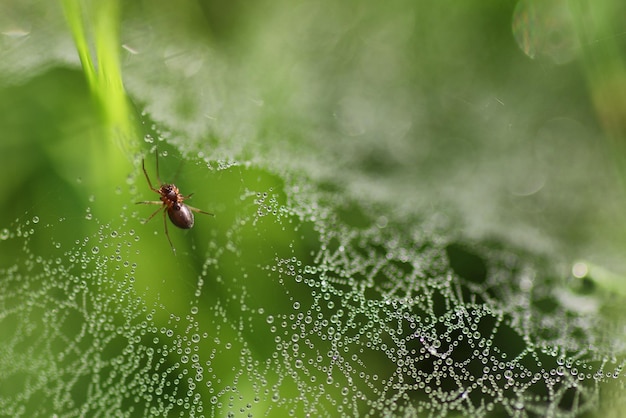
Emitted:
<point x="481" y="120"/>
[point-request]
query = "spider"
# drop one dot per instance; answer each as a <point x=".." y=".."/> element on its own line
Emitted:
<point x="171" y="203"/>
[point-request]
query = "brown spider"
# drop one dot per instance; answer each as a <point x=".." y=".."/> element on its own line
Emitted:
<point x="171" y="202"/>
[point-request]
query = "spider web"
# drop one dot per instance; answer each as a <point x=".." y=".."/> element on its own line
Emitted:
<point x="294" y="311"/>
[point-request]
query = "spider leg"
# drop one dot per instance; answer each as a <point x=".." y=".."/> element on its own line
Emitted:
<point x="167" y="234"/>
<point x="149" y="202"/>
<point x="191" y="208"/>
<point x="156" y="154"/>
<point x="196" y="209"/>
<point x="143" y="166"/>
<point x="153" y="215"/>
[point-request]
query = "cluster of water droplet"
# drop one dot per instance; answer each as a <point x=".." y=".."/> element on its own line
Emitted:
<point x="393" y="328"/>
<point x="293" y="311"/>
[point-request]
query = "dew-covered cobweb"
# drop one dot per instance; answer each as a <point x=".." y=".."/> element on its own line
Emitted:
<point x="298" y="308"/>
<point x="331" y="281"/>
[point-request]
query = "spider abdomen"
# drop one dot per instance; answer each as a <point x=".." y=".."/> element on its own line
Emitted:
<point x="180" y="215"/>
